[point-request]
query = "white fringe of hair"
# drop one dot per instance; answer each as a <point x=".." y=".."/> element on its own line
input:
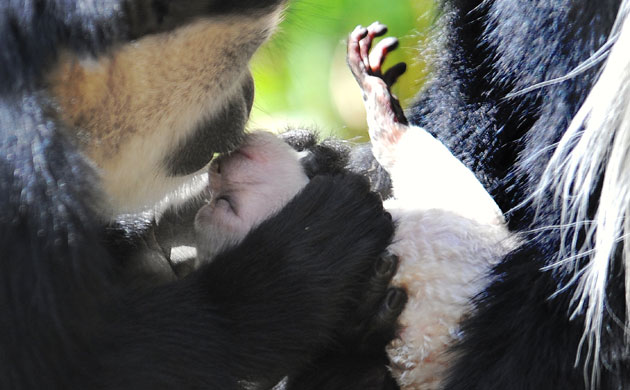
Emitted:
<point x="595" y="149"/>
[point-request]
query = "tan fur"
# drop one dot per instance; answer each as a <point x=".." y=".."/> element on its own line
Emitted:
<point x="127" y="108"/>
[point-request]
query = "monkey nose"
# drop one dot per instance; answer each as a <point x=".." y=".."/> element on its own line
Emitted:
<point x="214" y="178"/>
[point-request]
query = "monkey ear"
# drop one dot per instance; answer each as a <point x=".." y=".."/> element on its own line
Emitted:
<point x="326" y="158"/>
<point x="303" y="154"/>
<point x="319" y="158"/>
<point x="310" y="164"/>
<point x="300" y="139"/>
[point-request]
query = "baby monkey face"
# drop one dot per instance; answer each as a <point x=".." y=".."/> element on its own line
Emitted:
<point x="246" y="187"/>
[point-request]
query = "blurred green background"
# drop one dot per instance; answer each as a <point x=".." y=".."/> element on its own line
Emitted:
<point x="301" y="75"/>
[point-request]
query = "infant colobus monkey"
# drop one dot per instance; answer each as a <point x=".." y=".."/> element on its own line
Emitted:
<point x="450" y="231"/>
<point x="240" y="193"/>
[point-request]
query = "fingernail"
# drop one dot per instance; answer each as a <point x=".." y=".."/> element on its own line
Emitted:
<point x="386" y="264"/>
<point x="396" y="298"/>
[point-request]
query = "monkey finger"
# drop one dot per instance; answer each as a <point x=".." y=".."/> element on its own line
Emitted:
<point x="358" y="33"/>
<point x="391" y="76"/>
<point x="353" y="58"/>
<point x="380" y="51"/>
<point x="384" y="268"/>
<point x="393" y="305"/>
<point x="354" y="41"/>
<point x="375" y="29"/>
<point x="384" y="325"/>
<point x="364" y="46"/>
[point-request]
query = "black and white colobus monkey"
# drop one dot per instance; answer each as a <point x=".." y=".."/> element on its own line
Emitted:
<point x="109" y="107"/>
<point x="534" y="96"/>
<point x="445" y="243"/>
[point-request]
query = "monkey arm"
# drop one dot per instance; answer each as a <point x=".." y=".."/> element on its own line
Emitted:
<point x="304" y="279"/>
<point x="425" y="174"/>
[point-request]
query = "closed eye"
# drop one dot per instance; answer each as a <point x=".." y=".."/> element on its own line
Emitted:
<point x="227" y="199"/>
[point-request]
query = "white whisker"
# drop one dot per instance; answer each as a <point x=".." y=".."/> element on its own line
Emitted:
<point x="592" y="61"/>
<point x="594" y="156"/>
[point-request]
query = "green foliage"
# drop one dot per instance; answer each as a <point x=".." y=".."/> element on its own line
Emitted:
<point x="301" y="75"/>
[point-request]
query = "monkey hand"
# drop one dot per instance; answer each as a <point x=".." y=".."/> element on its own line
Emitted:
<point x="366" y="66"/>
<point x="386" y="120"/>
<point x="311" y="278"/>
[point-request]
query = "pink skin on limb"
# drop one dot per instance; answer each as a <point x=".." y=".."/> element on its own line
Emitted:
<point x="386" y="120"/>
<point x="449" y="230"/>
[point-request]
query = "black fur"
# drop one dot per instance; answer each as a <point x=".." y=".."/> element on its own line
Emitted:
<point x="343" y="372"/>
<point x="336" y="156"/>
<point x="355" y="363"/>
<point x="502" y="46"/>
<point x="34" y="31"/>
<point x="193" y="154"/>
<point x="520" y="337"/>
<point x="327" y="157"/>
<point x="69" y="319"/>
<point x="363" y="161"/>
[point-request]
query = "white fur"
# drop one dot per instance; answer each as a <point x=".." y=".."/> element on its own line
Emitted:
<point x="443" y="261"/>
<point x="426" y="176"/>
<point x="450" y="233"/>
<point x="596" y="145"/>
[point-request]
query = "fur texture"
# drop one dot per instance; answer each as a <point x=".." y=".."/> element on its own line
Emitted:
<point x="130" y="107"/>
<point x="450" y="232"/>
<point x="533" y="97"/>
<point x="446" y="248"/>
<point x="97" y="102"/>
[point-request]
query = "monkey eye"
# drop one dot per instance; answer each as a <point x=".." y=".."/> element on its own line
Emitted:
<point x="227" y="199"/>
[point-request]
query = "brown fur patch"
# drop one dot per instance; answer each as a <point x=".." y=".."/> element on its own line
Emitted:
<point x="138" y="101"/>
